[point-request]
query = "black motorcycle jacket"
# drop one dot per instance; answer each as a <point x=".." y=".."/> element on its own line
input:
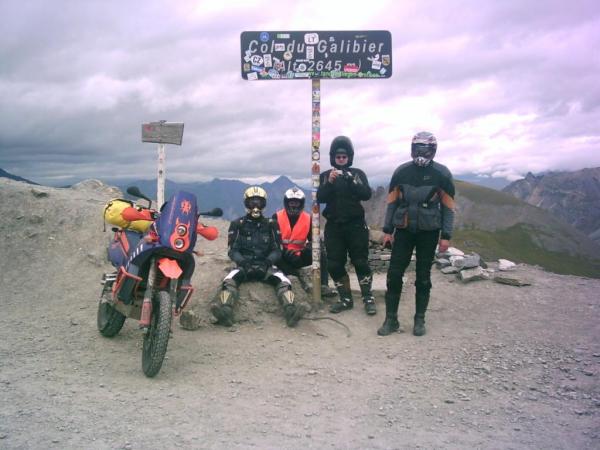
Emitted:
<point x="421" y="199"/>
<point x="344" y="195"/>
<point x="254" y="240"/>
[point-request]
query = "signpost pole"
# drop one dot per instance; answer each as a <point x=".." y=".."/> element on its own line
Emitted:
<point x="160" y="188"/>
<point x="315" y="173"/>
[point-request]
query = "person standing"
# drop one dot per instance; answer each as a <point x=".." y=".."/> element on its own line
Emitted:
<point x="342" y="188"/>
<point x="295" y="227"/>
<point x="419" y="214"/>
<point x="255" y="246"/>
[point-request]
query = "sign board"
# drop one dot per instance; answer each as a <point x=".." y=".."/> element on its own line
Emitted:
<point x="162" y="132"/>
<point x="297" y="55"/>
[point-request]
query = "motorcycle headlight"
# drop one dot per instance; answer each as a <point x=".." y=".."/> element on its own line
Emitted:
<point x="178" y="243"/>
<point x="181" y="230"/>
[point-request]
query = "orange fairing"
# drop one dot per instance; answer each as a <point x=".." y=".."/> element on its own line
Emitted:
<point x="170" y="268"/>
<point x="209" y="233"/>
<point x="180" y="238"/>
<point x="131" y="214"/>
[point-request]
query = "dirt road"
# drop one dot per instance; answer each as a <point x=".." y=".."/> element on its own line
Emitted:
<point x="500" y="366"/>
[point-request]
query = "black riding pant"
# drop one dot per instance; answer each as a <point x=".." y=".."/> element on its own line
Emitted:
<point x="291" y="268"/>
<point x="405" y="242"/>
<point x="347" y="239"/>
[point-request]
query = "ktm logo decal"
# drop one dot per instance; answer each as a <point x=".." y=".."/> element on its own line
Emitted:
<point x="186" y="207"/>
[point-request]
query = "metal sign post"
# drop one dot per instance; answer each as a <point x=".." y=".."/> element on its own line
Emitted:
<point x="162" y="132"/>
<point x="301" y="55"/>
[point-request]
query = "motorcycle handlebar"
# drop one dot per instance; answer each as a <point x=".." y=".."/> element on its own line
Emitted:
<point x="215" y="212"/>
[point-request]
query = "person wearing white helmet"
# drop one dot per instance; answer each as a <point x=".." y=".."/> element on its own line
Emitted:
<point x="419" y="216"/>
<point x="296" y="237"/>
<point x="255" y="246"/>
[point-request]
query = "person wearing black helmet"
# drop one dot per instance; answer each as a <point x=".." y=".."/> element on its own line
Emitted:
<point x="342" y="188"/>
<point x="255" y="246"/>
<point x="419" y="216"/>
<point x="296" y="237"/>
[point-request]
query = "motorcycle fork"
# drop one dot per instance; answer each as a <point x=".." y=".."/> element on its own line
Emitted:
<point x="146" y="314"/>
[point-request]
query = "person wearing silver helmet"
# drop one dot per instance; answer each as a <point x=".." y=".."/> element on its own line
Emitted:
<point x="419" y="216"/>
<point x="255" y="246"/>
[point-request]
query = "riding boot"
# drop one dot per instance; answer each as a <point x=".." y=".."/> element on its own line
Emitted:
<point x="390" y="325"/>
<point x="421" y="301"/>
<point x="222" y="308"/>
<point x="367" y="294"/>
<point x="291" y="311"/>
<point x="345" y="301"/>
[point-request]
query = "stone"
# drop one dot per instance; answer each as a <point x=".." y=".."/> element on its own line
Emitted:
<point x="450" y="269"/>
<point x="457" y="261"/>
<point x="471" y="261"/>
<point x="38" y="193"/>
<point x="505" y="264"/>
<point x="452" y="251"/>
<point x="471" y="274"/>
<point x="511" y="281"/>
<point x="442" y="262"/>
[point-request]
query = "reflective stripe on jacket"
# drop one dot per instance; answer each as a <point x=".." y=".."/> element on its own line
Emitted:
<point x="293" y="238"/>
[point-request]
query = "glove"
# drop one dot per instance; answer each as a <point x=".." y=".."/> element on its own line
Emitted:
<point x="245" y="266"/>
<point x="292" y="257"/>
<point x="259" y="269"/>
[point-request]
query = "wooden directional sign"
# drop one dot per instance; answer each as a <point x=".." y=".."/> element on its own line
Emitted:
<point x="297" y="55"/>
<point x="162" y="132"/>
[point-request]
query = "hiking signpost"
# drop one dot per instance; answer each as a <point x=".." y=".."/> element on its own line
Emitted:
<point x="162" y="132"/>
<point x="316" y="55"/>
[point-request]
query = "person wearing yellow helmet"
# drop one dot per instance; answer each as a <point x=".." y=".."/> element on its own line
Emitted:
<point x="254" y="245"/>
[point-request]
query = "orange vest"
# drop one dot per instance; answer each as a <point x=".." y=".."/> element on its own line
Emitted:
<point x="293" y="238"/>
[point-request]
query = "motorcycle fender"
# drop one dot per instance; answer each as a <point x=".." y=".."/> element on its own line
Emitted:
<point x="169" y="268"/>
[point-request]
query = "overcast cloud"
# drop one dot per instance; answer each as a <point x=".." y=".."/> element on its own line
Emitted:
<point x="506" y="86"/>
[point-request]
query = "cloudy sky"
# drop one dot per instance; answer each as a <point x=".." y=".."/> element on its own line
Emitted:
<point x="506" y="86"/>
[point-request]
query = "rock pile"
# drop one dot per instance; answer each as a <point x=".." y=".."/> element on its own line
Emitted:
<point x="471" y="267"/>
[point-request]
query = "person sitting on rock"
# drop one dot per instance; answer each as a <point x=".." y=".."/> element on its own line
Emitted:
<point x="294" y="225"/>
<point x="254" y="245"/>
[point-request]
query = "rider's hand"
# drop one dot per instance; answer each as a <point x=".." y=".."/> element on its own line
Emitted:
<point x="332" y="175"/>
<point x="388" y="240"/>
<point x="292" y="256"/>
<point x="443" y="245"/>
<point x="245" y="266"/>
<point x="259" y="269"/>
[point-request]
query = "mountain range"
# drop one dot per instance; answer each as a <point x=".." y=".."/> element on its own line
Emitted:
<point x="10" y="176"/>
<point x="573" y="197"/>
<point x="534" y="221"/>
<point x="225" y="194"/>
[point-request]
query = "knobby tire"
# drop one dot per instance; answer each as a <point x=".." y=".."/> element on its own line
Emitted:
<point x="157" y="337"/>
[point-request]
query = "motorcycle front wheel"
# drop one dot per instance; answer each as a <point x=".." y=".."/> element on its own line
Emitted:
<point x="157" y="337"/>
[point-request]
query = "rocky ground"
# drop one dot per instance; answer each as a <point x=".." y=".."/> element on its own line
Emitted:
<point x="500" y="367"/>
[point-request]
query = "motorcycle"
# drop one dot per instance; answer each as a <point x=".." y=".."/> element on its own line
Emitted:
<point x="152" y="282"/>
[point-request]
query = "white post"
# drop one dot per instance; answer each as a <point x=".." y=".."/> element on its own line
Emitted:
<point x="160" y="188"/>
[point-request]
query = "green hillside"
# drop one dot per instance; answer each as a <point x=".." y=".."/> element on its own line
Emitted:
<point x="481" y="194"/>
<point x="516" y="244"/>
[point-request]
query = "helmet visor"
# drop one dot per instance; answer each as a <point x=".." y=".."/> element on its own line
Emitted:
<point x="256" y="202"/>
<point x="422" y="150"/>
